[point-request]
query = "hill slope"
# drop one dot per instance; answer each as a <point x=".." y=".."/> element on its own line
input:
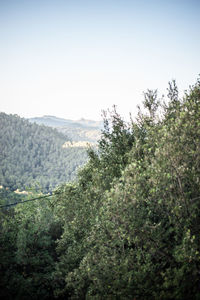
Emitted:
<point x="32" y="154"/>
<point x="128" y="228"/>
<point x="80" y="130"/>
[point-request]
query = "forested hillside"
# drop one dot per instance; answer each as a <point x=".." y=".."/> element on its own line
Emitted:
<point x="128" y="228"/>
<point x="33" y="155"/>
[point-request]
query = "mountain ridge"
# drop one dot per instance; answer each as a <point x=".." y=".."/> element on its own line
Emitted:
<point x="54" y="121"/>
<point x="32" y="154"/>
<point x="75" y="130"/>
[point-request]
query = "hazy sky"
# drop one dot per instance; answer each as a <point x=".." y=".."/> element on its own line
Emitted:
<point x="74" y="58"/>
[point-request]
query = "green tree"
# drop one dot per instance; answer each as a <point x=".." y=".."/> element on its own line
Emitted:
<point x="28" y="240"/>
<point x="142" y="239"/>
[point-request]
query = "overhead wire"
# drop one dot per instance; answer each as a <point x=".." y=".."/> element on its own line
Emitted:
<point x="50" y="195"/>
<point x="28" y="200"/>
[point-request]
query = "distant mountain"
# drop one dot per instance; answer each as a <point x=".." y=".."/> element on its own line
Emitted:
<point x="32" y="154"/>
<point x="80" y="130"/>
<point x="60" y="122"/>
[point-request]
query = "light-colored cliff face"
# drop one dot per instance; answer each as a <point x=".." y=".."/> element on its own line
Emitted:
<point x="82" y="144"/>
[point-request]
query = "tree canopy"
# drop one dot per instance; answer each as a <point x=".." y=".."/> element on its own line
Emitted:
<point x="128" y="227"/>
<point x="34" y="156"/>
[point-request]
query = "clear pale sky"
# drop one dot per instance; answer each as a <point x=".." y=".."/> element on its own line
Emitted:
<point x="74" y="58"/>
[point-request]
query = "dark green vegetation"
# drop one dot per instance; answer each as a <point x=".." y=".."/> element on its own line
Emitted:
<point x="7" y="197"/>
<point x="128" y="228"/>
<point x="32" y="155"/>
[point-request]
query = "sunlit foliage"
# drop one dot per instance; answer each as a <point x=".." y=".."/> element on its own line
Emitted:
<point x="128" y="228"/>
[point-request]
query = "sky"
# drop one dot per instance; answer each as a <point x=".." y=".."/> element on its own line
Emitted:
<point x="73" y="58"/>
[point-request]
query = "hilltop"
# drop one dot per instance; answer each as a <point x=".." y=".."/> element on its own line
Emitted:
<point x="79" y="130"/>
<point x="32" y="154"/>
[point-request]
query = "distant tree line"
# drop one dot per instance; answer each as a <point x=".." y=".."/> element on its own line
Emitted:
<point x="33" y="156"/>
<point x="128" y="228"/>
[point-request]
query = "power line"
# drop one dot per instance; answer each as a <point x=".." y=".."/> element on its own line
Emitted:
<point x="28" y="200"/>
<point x="51" y="194"/>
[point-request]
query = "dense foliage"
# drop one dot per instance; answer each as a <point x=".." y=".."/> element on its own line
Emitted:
<point x="128" y="228"/>
<point x="32" y="155"/>
<point x="7" y="197"/>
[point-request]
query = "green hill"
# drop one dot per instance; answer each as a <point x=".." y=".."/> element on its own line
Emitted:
<point x="128" y="227"/>
<point x="32" y="154"/>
